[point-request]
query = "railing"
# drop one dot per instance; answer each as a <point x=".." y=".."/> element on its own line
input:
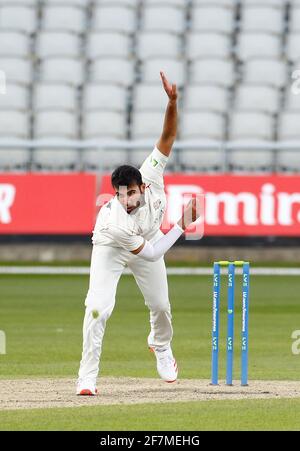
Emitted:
<point x="226" y="148"/>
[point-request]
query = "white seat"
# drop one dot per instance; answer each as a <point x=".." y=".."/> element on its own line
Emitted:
<point x="250" y="125"/>
<point x="173" y="68"/>
<point x="202" y="125"/>
<point x="55" y="159"/>
<point x="149" y="97"/>
<point x="51" y="43"/>
<point x="213" y="70"/>
<point x="292" y="101"/>
<point x="64" y="18"/>
<point x="132" y="3"/>
<point x="113" y="70"/>
<point x="19" y="2"/>
<point x="14" y="124"/>
<point x="105" y="97"/>
<point x="274" y="3"/>
<point x="292" y="49"/>
<point x="55" y="123"/>
<point x="294" y="19"/>
<point x="266" y="71"/>
<point x="17" y="70"/>
<point x="150" y="44"/>
<point x="62" y="70"/>
<point x="14" y="44"/>
<point x="226" y="3"/>
<point x="14" y="159"/>
<point x="163" y="18"/>
<point x="177" y="3"/>
<point x="212" y="19"/>
<point x="206" y="97"/>
<point x="16" y="97"/>
<point x="108" y="44"/>
<point x="81" y="3"/>
<point x="103" y="159"/>
<point x="208" y="45"/>
<point x="193" y="160"/>
<point x="254" y="45"/>
<point x="104" y="124"/>
<point x="250" y="160"/>
<point x="146" y="124"/>
<point x="56" y="96"/>
<point x="288" y="160"/>
<point x="262" y="19"/>
<point x="18" y="18"/>
<point x="288" y="126"/>
<point x="114" y="18"/>
<point x="264" y="99"/>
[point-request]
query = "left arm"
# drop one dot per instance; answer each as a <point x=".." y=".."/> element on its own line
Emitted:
<point x="169" y="132"/>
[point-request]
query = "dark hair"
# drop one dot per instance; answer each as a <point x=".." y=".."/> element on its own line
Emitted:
<point x="125" y="176"/>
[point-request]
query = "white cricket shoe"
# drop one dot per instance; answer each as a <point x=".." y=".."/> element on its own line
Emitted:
<point x="86" y="387"/>
<point x="166" y="364"/>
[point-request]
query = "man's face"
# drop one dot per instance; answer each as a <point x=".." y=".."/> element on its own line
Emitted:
<point x="130" y="196"/>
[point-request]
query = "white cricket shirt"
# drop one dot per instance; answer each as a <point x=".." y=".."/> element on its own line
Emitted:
<point x="115" y="227"/>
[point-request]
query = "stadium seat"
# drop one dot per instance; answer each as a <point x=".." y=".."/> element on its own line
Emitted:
<point x="114" y="18"/>
<point x="250" y="125"/>
<point x="288" y="126"/>
<point x="177" y="3"/>
<point x="195" y="160"/>
<point x="14" y="44"/>
<point x="50" y="159"/>
<point x="14" y="124"/>
<point x="16" y="97"/>
<point x="56" y="96"/>
<point x="288" y="160"/>
<point x="150" y="44"/>
<point x="213" y="70"/>
<point x="212" y="19"/>
<point x="206" y="97"/>
<point x="18" y="18"/>
<point x="163" y="18"/>
<point x="243" y="159"/>
<point x="294" y="24"/>
<point x="265" y="71"/>
<point x="149" y="97"/>
<point x="108" y="44"/>
<point x="132" y="3"/>
<point x="146" y="124"/>
<point x="227" y="3"/>
<point x="173" y="68"/>
<point x="261" y="18"/>
<point x="104" y="124"/>
<point x="208" y="45"/>
<point x="274" y="3"/>
<point x="202" y="125"/>
<point x="105" y="97"/>
<point x="264" y="99"/>
<point x="14" y="160"/>
<point x="254" y="45"/>
<point x="51" y="43"/>
<point x="55" y="123"/>
<point x="62" y="70"/>
<point x="292" y="101"/>
<point x="17" y="70"/>
<point x="81" y="3"/>
<point x="64" y="18"/>
<point x="112" y="70"/>
<point x="18" y="2"/>
<point x="293" y="47"/>
<point x="103" y="159"/>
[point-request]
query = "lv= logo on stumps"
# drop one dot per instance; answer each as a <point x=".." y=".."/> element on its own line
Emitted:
<point x="231" y="266"/>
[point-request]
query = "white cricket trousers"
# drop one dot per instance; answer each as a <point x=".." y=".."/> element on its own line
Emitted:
<point x="107" y="265"/>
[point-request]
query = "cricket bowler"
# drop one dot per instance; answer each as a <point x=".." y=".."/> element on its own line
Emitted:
<point x="127" y="234"/>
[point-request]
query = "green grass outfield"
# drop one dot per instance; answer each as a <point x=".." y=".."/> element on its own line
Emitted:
<point x="42" y="318"/>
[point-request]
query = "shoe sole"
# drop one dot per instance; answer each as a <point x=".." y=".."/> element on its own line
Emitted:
<point x="87" y="392"/>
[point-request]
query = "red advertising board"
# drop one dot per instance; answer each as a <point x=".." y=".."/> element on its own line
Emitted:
<point x="234" y="205"/>
<point x="47" y="204"/>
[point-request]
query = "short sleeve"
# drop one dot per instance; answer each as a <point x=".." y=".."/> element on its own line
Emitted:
<point x="125" y="239"/>
<point x="152" y="169"/>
